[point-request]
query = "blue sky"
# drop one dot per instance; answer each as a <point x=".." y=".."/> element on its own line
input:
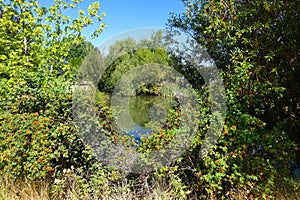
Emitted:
<point x="124" y="15"/>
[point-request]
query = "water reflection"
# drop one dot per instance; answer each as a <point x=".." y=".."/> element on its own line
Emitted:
<point x="141" y="110"/>
<point x="138" y="131"/>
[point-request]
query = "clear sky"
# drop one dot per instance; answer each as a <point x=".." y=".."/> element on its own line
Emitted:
<point x="124" y="15"/>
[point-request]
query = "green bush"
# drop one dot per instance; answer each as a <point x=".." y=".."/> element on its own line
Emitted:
<point x="36" y="121"/>
<point x="247" y="40"/>
<point x="39" y="139"/>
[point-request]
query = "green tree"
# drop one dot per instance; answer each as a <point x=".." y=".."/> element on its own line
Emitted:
<point x="34" y="37"/>
<point x="78" y="52"/>
<point x="37" y="134"/>
<point x="127" y="54"/>
<point x="255" y="44"/>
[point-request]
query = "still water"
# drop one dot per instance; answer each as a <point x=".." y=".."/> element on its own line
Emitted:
<point x="133" y="114"/>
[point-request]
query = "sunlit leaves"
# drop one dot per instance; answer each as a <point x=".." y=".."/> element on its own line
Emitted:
<point x="248" y="41"/>
<point x="35" y="114"/>
<point x="93" y="9"/>
<point x="41" y="35"/>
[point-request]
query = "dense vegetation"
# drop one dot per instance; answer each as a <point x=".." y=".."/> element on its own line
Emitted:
<point x="126" y="54"/>
<point x="255" y="44"/>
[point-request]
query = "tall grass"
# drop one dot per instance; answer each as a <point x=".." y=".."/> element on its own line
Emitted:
<point x="43" y="190"/>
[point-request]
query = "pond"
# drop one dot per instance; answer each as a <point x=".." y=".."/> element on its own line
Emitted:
<point x="133" y="114"/>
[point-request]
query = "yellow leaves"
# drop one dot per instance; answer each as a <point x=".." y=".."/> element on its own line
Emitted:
<point x="81" y="12"/>
<point x="3" y="57"/>
<point x="52" y="10"/>
<point x="96" y="4"/>
<point x="47" y="119"/>
<point x="248" y="183"/>
<point x="76" y="1"/>
<point x="93" y="9"/>
<point x="4" y="156"/>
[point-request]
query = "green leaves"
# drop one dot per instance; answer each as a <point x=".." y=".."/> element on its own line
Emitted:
<point x="127" y="54"/>
<point x="35" y="105"/>
<point x="33" y="36"/>
<point x="247" y="40"/>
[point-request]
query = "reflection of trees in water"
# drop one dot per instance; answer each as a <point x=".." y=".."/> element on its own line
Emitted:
<point x="141" y="105"/>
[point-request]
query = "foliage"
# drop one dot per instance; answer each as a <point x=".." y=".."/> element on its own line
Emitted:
<point x="255" y="46"/>
<point x="37" y="134"/>
<point x="38" y="137"/>
<point x="34" y="37"/>
<point x="78" y="53"/>
<point x="127" y="54"/>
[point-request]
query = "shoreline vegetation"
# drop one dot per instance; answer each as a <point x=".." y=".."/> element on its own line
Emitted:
<point x="60" y="140"/>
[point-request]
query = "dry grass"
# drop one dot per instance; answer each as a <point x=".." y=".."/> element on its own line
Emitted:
<point x="24" y="191"/>
<point x="43" y="191"/>
<point x="286" y="193"/>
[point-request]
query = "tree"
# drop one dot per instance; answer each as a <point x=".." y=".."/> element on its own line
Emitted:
<point x="79" y="51"/>
<point x="34" y="37"/>
<point x="36" y="105"/>
<point x="255" y="44"/>
<point x="127" y="54"/>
